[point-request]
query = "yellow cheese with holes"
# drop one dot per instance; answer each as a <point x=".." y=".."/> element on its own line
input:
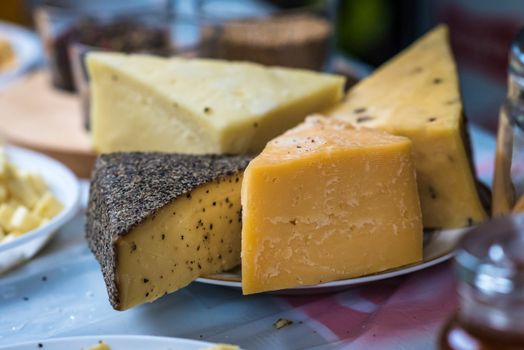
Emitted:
<point x="325" y="201"/>
<point x="146" y="103"/>
<point x="416" y="95"/>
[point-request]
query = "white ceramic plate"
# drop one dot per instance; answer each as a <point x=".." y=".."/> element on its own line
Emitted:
<point x="62" y="183"/>
<point x="439" y="246"/>
<point x="116" y="342"/>
<point x="27" y="47"/>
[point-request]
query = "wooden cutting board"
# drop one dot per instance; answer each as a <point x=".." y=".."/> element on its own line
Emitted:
<point x="37" y="116"/>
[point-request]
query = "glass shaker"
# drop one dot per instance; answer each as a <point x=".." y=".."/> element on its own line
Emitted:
<point x="490" y="268"/>
<point x="508" y="183"/>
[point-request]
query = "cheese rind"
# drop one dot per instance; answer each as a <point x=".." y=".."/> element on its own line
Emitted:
<point x="156" y="222"/>
<point x="146" y="103"/>
<point x="324" y="202"/>
<point x="416" y="95"/>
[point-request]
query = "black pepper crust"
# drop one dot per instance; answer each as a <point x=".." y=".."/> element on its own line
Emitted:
<point x="126" y="188"/>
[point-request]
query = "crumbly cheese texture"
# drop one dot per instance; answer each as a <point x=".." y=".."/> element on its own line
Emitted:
<point x="416" y="95"/>
<point x="326" y="201"/>
<point x="197" y="235"/>
<point x="146" y="103"/>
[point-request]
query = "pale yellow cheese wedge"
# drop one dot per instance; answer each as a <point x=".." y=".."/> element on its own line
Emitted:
<point x="416" y="94"/>
<point x="23" y="220"/>
<point x="146" y="103"/>
<point x="325" y="201"/>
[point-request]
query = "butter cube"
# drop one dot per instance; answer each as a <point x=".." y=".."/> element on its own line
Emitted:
<point x="6" y="212"/>
<point x="21" y="190"/>
<point x="47" y="206"/>
<point x="3" y="193"/>
<point x="23" y="221"/>
<point x="36" y="182"/>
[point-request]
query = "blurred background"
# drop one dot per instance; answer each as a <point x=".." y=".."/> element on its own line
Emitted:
<point x="363" y="34"/>
<point x="44" y="85"/>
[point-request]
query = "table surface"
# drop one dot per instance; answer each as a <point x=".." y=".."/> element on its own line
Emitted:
<point x="61" y="293"/>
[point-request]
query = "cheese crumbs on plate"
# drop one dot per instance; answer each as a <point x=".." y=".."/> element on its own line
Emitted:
<point x="26" y="202"/>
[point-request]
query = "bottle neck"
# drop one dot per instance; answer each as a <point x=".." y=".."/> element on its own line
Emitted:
<point x="515" y="97"/>
<point x="503" y="313"/>
<point x="515" y="88"/>
<point x="513" y="106"/>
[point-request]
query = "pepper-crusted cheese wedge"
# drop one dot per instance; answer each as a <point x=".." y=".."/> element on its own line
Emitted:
<point x="325" y="201"/>
<point x="156" y="222"/>
<point x="146" y="103"/>
<point x="417" y="95"/>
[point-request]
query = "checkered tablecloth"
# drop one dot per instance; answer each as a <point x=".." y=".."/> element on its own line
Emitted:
<point x="61" y="293"/>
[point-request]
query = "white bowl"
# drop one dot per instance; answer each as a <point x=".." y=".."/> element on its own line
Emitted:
<point x="62" y="183"/>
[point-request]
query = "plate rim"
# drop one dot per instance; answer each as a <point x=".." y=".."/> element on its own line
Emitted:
<point x="343" y="282"/>
<point x="110" y="337"/>
<point x="58" y="221"/>
<point x="354" y="281"/>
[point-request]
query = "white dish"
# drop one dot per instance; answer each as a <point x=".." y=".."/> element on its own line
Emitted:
<point x="62" y="183"/>
<point x="116" y="342"/>
<point x="439" y="246"/>
<point x="27" y="47"/>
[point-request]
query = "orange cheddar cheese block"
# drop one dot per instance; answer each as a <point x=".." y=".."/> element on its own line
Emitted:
<point x="325" y="201"/>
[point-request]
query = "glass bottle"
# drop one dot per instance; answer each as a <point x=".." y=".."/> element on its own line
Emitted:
<point x="490" y="270"/>
<point x="508" y="183"/>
